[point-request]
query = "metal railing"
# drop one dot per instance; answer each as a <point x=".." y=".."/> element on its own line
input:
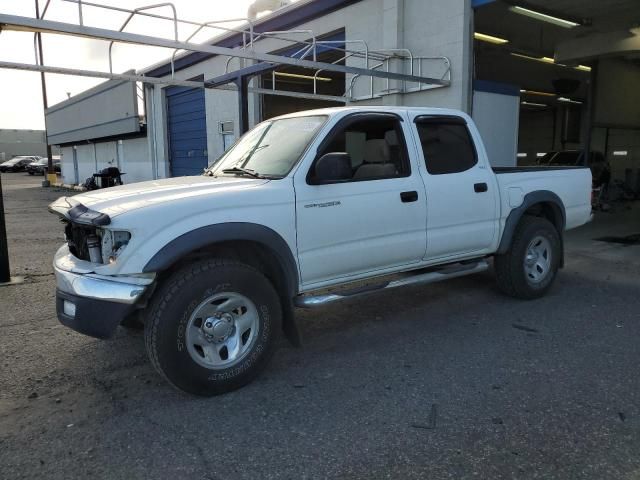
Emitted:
<point x="135" y="12"/>
<point x="398" y="65"/>
<point x="215" y="24"/>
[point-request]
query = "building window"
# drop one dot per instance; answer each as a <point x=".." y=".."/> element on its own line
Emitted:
<point x="228" y="136"/>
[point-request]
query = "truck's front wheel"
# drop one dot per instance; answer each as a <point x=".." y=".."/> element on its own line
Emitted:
<point x="213" y="326"/>
<point x="530" y="266"/>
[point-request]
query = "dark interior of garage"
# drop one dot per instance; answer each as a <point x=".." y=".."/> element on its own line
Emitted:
<point x="301" y="80"/>
<point x="578" y="86"/>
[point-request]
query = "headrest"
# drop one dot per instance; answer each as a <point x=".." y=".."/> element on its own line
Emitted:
<point x="376" y="151"/>
<point x="391" y="137"/>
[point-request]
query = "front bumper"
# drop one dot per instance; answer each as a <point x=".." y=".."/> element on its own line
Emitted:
<point x="93" y="304"/>
<point x="96" y="318"/>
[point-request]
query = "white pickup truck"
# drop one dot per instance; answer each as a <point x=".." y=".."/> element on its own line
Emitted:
<point x="305" y="209"/>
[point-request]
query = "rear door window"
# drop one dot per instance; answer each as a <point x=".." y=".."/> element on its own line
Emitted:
<point x="446" y="144"/>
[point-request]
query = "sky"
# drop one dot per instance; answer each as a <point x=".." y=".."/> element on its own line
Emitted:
<point x="21" y="94"/>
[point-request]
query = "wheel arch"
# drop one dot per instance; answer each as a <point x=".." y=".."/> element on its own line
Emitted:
<point x="254" y="244"/>
<point x="540" y="203"/>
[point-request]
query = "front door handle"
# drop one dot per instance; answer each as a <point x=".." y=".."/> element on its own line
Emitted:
<point x="480" y="187"/>
<point x="407" y="197"/>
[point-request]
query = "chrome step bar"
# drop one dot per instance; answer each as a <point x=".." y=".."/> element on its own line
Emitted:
<point x="432" y="276"/>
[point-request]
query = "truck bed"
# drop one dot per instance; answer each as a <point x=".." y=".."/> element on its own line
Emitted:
<point x="571" y="184"/>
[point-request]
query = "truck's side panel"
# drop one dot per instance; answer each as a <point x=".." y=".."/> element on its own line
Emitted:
<point x="571" y="185"/>
<point x="363" y="225"/>
<point x="273" y="207"/>
<point x="462" y="203"/>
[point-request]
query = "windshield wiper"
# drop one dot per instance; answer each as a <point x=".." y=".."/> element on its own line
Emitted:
<point x="246" y="171"/>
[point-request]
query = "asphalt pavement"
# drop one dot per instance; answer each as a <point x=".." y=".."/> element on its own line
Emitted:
<point x="452" y="380"/>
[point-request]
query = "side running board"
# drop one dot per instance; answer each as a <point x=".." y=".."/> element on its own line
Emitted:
<point x="432" y="276"/>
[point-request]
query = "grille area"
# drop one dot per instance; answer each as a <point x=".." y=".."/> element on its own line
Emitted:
<point x="77" y="239"/>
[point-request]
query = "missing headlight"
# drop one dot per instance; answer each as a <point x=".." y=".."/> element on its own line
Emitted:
<point x="113" y="242"/>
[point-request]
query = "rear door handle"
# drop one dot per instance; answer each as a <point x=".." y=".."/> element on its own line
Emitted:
<point x="407" y="197"/>
<point x="480" y="187"/>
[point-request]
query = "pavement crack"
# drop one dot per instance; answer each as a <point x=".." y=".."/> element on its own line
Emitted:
<point x="524" y="328"/>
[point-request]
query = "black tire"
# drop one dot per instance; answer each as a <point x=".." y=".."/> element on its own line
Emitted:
<point x="168" y="319"/>
<point x="30" y="173"/>
<point x="511" y="273"/>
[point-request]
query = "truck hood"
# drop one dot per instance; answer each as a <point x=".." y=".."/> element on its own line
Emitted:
<point x="115" y="201"/>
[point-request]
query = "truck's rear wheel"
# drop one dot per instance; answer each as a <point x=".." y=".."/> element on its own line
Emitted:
<point x="530" y="266"/>
<point x="213" y="326"/>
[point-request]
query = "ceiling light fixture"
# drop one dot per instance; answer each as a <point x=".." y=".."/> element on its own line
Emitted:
<point x="490" y="38"/>
<point x="561" y="22"/>
<point x="547" y="60"/>
<point x="527" y="57"/>
<point x="583" y="68"/>
<point x="533" y="104"/>
<point x="537" y="59"/>
<point x="568" y="100"/>
<point x="536" y="92"/>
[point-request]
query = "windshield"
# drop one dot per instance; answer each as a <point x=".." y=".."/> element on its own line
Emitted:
<point x="271" y="149"/>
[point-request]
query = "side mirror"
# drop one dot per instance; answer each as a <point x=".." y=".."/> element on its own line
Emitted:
<point x="333" y="168"/>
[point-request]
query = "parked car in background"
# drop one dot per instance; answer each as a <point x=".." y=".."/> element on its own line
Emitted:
<point x="600" y="167"/>
<point x="38" y="167"/>
<point x="17" y="164"/>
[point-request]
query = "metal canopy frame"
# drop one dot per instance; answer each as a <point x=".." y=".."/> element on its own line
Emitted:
<point x="237" y="80"/>
<point x="19" y="23"/>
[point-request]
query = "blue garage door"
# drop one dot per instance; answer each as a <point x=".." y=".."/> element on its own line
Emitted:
<point x="187" y="130"/>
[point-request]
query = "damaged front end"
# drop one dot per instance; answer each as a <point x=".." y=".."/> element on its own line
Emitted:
<point x="87" y="232"/>
<point x="88" y="302"/>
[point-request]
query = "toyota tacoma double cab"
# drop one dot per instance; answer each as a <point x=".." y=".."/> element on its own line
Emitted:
<point x="304" y="210"/>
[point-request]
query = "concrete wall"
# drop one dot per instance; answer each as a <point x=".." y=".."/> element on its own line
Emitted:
<point x="496" y="116"/>
<point x="21" y="142"/>
<point x="440" y="28"/>
<point x="106" y="110"/>
<point x="617" y="108"/>
<point x="625" y="165"/>
<point x="427" y="29"/>
<point x="617" y="93"/>
<point x="131" y="156"/>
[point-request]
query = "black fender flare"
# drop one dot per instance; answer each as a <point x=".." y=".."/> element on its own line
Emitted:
<point x="224" y="232"/>
<point x="238" y="231"/>
<point x="530" y="199"/>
